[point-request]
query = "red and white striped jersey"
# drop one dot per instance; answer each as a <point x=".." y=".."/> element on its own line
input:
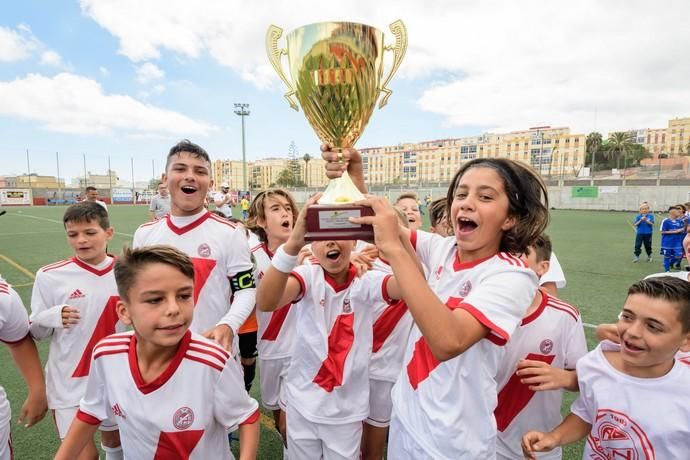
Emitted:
<point x="328" y="379"/>
<point x="631" y="417"/>
<point x="183" y="413"/>
<point x="14" y="326"/>
<point x="553" y="334"/>
<point x="218" y="250"/>
<point x="93" y="291"/>
<point x="448" y="406"/>
<point x="683" y="357"/>
<point x="276" y="329"/>
<point x="392" y="325"/>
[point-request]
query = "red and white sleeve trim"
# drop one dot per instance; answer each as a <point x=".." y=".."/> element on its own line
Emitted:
<point x="252" y="418"/>
<point x="87" y="418"/>
<point x="302" y="286"/>
<point x="384" y="289"/>
<point x="496" y="334"/>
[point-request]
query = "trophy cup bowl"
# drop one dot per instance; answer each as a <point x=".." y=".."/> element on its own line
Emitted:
<point x="337" y="77"/>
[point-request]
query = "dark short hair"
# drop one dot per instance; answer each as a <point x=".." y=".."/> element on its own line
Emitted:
<point x="542" y="247"/>
<point x="91" y="188"/>
<point x="528" y="200"/>
<point x="185" y="145"/>
<point x="132" y="261"/>
<point x="436" y="210"/>
<point x="670" y="289"/>
<point x="87" y="211"/>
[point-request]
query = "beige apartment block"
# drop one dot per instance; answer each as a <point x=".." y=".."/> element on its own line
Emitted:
<point x="35" y="181"/>
<point x="678" y="136"/>
<point x="230" y="172"/>
<point x="655" y="141"/>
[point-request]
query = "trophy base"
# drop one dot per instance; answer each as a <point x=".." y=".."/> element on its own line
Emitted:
<point x="330" y="222"/>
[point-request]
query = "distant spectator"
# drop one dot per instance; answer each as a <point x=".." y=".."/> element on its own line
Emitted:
<point x="160" y="203"/>
<point x="644" y="227"/>
<point x="223" y="199"/>
<point x="91" y="194"/>
<point x="408" y="204"/>
<point x="438" y="218"/>
<point x="244" y="203"/>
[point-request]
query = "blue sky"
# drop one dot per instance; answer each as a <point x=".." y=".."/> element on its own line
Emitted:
<point x="127" y="79"/>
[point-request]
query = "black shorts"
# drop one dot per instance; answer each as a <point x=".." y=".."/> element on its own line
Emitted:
<point x="248" y="345"/>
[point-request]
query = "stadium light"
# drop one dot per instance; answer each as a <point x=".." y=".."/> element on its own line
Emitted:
<point x="243" y="110"/>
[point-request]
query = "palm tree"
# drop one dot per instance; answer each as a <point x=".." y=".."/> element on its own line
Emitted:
<point x="307" y="159"/>
<point x="594" y="141"/>
<point x="620" y="143"/>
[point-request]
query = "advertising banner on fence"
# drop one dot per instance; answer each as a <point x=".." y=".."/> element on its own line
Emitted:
<point x="585" y="192"/>
<point x="122" y="195"/>
<point x="15" y="196"/>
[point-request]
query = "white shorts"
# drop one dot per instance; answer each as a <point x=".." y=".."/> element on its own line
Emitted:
<point x="380" y="403"/>
<point x="402" y="445"/>
<point x="63" y="419"/>
<point x="307" y="439"/>
<point x="272" y="373"/>
<point x="5" y="441"/>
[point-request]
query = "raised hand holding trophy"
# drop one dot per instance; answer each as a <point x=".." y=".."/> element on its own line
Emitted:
<point x="337" y="69"/>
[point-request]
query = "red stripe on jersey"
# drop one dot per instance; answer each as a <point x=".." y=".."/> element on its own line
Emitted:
<point x="567" y="310"/>
<point x="504" y="257"/>
<point x="107" y="343"/>
<point x="148" y="387"/>
<point x="212" y="347"/>
<point x="384" y="289"/>
<point x="302" y="286"/>
<point x="62" y="263"/>
<point x="413" y="239"/>
<point x="685" y="360"/>
<point x="204" y="361"/>
<point x="457" y="265"/>
<point x="120" y="335"/>
<point x="87" y="418"/>
<point x="256" y="248"/>
<point x="177" y="444"/>
<point x="252" y="418"/>
<point x="223" y="221"/>
<point x="98" y="354"/>
<point x="154" y="222"/>
<point x="104" y="327"/>
<point x="186" y="228"/>
<point x="276" y="322"/>
<point x="515" y="395"/>
<point x="559" y="303"/>
<point x="209" y="352"/>
<point x="202" y="270"/>
<point x="385" y="324"/>
<point x="421" y="364"/>
<point x="93" y="270"/>
<point x="351" y="274"/>
<point x="340" y="342"/>
<point x="502" y="336"/>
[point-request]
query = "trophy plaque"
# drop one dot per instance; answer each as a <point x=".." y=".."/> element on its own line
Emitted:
<point x="337" y="78"/>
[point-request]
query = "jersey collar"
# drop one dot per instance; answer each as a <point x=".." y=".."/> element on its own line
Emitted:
<point x="153" y="385"/>
<point x="457" y="265"/>
<point x="540" y="309"/>
<point x="351" y="273"/>
<point x="188" y="227"/>
<point x="80" y="263"/>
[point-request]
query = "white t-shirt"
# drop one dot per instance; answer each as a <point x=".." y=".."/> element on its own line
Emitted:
<point x="93" y="291"/>
<point x="328" y="380"/>
<point x="14" y="327"/>
<point x="159" y="205"/>
<point x="392" y="325"/>
<point x="219" y="251"/>
<point x="276" y="329"/>
<point x="448" y="406"/>
<point x="632" y="417"/>
<point x="554" y="274"/>
<point x="680" y="275"/>
<point x="554" y="334"/>
<point x="225" y="208"/>
<point x="184" y="413"/>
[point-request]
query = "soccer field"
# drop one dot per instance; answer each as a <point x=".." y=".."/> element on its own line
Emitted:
<point x="594" y="248"/>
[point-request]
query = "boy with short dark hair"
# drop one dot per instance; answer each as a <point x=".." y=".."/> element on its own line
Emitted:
<point x="672" y="234"/>
<point x="73" y="303"/>
<point x="174" y="393"/>
<point x="633" y="401"/>
<point x="644" y="227"/>
<point x="219" y="251"/>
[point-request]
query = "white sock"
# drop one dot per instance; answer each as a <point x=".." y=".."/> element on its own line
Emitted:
<point x="113" y="453"/>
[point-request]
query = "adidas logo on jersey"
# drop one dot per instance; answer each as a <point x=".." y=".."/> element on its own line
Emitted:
<point x="117" y="410"/>
<point x="77" y="294"/>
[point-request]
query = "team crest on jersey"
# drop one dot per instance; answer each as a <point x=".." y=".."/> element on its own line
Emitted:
<point x="546" y="346"/>
<point x="347" y="308"/>
<point x="183" y="418"/>
<point x="204" y="250"/>
<point x="466" y="288"/>
<point x="615" y="435"/>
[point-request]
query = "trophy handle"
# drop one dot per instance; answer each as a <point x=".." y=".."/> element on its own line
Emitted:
<point x="398" y="29"/>
<point x="274" y="54"/>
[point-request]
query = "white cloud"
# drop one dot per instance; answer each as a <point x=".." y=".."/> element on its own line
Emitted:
<point x="149" y="72"/>
<point x="104" y="71"/>
<point x="17" y="45"/>
<point x="71" y="103"/>
<point x="51" y="58"/>
<point x="497" y="63"/>
<point x="159" y="89"/>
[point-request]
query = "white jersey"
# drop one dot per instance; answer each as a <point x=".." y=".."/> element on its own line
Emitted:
<point x="328" y="379"/>
<point x="632" y="418"/>
<point x="683" y="357"/>
<point x="392" y="324"/>
<point x="184" y="413"/>
<point x="554" y="274"/>
<point x="225" y="208"/>
<point x="14" y="327"/>
<point x="448" y="406"/>
<point x="219" y="251"/>
<point x="93" y="291"/>
<point x="553" y="334"/>
<point x="685" y="276"/>
<point x="276" y="329"/>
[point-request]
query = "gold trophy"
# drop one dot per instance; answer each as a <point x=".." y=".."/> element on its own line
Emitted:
<point x="337" y="69"/>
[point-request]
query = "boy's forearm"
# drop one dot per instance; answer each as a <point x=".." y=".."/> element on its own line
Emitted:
<point x="571" y="430"/>
<point x="249" y="441"/>
<point x="271" y="289"/>
<point x="25" y="356"/>
<point x="79" y="434"/>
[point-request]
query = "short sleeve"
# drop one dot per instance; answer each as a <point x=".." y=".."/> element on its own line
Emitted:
<point x="583" y="406"/>
<point x="232" y="405"/>
<point x="14" y="322"/>
<point x="423" y="243"/>
<point x="501" y="299"/>
<point x="576" y="344"/>
<point x="239" y="259"/>
<point x="554" y="274"/>
<point x="94" y="406"/>
<point x="303" y="275"/>
<point x="374" y="285"/>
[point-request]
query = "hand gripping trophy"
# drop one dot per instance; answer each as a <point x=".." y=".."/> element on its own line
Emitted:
<point x="337" y="73"/>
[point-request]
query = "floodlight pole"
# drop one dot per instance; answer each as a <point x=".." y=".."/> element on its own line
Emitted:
<point x="243" y="111"/>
